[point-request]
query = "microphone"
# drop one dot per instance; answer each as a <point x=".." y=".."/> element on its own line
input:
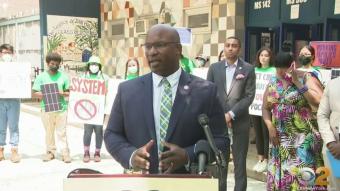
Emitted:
<point x="203" y="152"/>
<point x="204" y="122"/>
<point x="220" y="160"/>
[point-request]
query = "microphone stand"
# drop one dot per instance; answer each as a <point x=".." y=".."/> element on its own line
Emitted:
<point x="220" y="160"/>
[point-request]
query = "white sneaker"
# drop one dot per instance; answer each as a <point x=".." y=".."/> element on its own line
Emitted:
<point x="256" y="166"/>
<point x="262" y="167"/>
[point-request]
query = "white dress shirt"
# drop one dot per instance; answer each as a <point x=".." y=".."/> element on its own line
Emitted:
<point x="229" y="73"/>
<point x="157" y="96"/>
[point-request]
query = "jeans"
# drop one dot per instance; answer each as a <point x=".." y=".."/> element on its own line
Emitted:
<point x="98" y="130"/>
<point x="9" y="116"/>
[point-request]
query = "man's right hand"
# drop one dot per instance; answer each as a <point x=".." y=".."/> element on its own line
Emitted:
<point x="228" y="120"/>
<point x="140" y="158"/>
<point x="334" y="148"/>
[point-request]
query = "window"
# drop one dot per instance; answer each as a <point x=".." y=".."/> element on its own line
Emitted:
<point x="116" y="30"/>
<point x="140" y="27"/>
<point x="144" y="23"/>
<point x="198" y="19"/>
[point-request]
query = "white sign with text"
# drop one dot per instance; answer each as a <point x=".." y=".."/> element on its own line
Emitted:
<point x="87" y="101"/>
<point x="262" y="80"/>
<point x="15" y="80"/>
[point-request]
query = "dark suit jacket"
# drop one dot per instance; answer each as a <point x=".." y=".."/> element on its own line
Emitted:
<point x="241" y="93"/>
<point x="131" y="124"/>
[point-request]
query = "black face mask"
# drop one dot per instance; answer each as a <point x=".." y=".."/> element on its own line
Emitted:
<point x="54" y="68"/>
<point x="304" y="60"/>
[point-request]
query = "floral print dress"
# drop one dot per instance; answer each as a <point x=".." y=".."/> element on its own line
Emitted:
<point x="300" y="142"/>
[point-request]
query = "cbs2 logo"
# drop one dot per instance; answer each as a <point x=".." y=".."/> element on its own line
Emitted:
<point x="307" y="174"/>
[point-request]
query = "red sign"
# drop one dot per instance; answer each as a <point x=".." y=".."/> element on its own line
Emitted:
<point x="327" y="54"/>
<point x="85" y="109"/>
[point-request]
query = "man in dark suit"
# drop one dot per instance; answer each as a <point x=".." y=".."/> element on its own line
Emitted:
<point x="235" y="80"/>
<point x="153" y="125"/>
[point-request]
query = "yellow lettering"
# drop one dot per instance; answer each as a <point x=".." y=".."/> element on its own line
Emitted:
<point x="322" y="179"/>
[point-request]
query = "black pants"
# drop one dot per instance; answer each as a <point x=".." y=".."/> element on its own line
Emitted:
<point x="262" y="136"/>
<point x="98" y="130"/>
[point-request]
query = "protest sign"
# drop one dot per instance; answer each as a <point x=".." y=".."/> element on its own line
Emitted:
<point x="15" y="80"/>
<point x="87" y="101"/>
<point x="262" y="80"/>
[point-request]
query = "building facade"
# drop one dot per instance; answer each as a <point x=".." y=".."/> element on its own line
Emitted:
<point x="125" y="23"/>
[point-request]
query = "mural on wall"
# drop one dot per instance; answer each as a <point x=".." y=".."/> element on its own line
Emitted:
<point x="74" y="38"/>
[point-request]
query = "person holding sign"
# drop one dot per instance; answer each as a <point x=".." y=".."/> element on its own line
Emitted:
<point x="151" y="131"/>
<point x="9" y="113"/>
<point x="54" y="121"/>
<point x="264" y="71"/>
<point x="329" y="125"/>
<point x="93" y="71"/>
<point x="131" y="69"/>
<point x="293" y="131"/>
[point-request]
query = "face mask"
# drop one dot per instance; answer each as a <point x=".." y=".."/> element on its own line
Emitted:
<point x="132" y="69"/>
<point x="304" y="60"/>
<point x="54" y="68"/>
<point x="7" y="58"/>
<point x="200" y="62"/>
<point x="94" y="69"/>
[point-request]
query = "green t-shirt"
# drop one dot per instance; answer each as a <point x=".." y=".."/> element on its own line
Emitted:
<point x="131" y="76"/>
<point x="187" y="64"/>
<point x="267" y="70"/>
<point x="45" y="78"/>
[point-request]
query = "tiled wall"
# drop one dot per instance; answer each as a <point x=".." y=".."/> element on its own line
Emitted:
<point x="227" y="19"/>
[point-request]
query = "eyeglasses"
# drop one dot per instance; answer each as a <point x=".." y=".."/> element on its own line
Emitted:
<point x="157" y="45"/>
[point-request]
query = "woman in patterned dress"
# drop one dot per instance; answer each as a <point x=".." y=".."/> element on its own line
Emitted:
<point x="289" y="107"/>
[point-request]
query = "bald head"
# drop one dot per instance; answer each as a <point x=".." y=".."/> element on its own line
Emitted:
<point x="165" y="29"/>
<point x="163" y="49"/>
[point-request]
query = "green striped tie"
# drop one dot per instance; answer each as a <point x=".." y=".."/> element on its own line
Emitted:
<point x="165" y="111"/>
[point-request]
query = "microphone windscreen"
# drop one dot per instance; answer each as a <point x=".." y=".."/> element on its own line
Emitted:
<point x="203" y="119"/>
<point x="202" y="146"/>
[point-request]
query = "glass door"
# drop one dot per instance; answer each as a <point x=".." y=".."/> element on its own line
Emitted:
<point x="257" y="38"/>
<point x="333" y="30"/>
<point x="300" y="35"/>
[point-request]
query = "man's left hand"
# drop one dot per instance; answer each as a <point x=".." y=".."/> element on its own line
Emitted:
<point x="173" y="158"/>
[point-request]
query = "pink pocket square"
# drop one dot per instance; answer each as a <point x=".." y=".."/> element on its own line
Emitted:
<point x="240" y="76"/>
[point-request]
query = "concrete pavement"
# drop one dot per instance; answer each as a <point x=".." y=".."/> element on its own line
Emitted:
<point x="33" y="174"/>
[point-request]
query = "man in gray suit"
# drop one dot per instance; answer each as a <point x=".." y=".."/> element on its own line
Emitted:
<point x="235" y="80"/>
